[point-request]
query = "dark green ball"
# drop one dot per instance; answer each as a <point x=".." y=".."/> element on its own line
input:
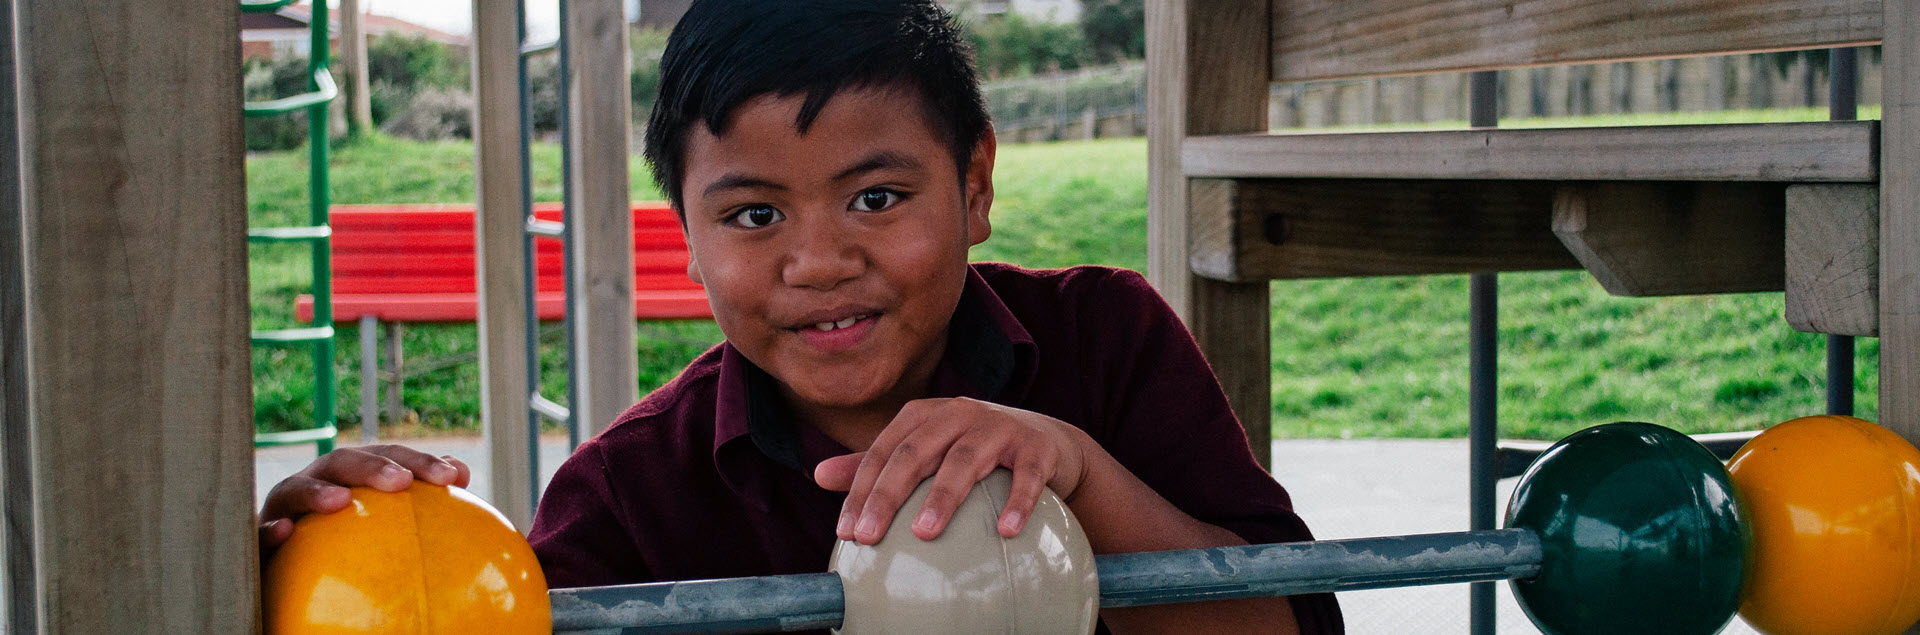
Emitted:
<point x="1640" y="530"/>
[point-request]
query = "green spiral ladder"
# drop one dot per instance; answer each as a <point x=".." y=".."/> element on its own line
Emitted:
<point x="317" y="234"/>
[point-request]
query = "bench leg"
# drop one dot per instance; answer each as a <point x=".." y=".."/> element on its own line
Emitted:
<point x="369" y="381"/>
<point x="396" y="407"/>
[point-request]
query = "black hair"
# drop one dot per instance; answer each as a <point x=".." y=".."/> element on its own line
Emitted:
<point x="726" y="52"/>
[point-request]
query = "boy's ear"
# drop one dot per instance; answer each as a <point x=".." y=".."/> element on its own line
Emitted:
<point x="979" y="185"/>
<point x="693" y="261"/>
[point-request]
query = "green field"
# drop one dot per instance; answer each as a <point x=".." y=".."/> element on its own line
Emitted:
<point x="1372" y="357"/>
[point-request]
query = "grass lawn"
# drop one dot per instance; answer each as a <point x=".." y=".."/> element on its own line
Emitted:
<point x="1361" y="357"/>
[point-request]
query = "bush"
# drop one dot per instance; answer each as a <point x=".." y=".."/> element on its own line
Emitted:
<point x="1115" y="30"/>
<point x="268" y="80"/>
<point x="434" y="114"/>
<point x="1011" y="45"/>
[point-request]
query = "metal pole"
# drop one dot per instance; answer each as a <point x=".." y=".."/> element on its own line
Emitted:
<point x="1483" y="368"/>
<point x="817" y="600"/>
<point x="369" y="380"/>
<point x="532" y="264"/>
<point x="1842" y="105"/>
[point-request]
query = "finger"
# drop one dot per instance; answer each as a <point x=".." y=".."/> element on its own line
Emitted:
<point x="301" y="495"/>
<point x="426" y="467"/>
<point x="872" y="461"/>
<point x="356" y="467"/>
<point x="965" y="464"/>
<point x="274" y="533"/>
<point x="915" y="459"/>
<point x="1022" y="496"/>
<point x="836" y="474"/>
<point x="464" y="474"/>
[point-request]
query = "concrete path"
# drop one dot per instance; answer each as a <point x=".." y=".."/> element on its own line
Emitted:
<point x="1344" y="489"/>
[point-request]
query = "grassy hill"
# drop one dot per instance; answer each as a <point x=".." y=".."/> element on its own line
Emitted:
<point x="1351" y="357"/>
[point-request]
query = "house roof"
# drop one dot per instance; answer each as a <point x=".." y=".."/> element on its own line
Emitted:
<point x="298" y="16"/>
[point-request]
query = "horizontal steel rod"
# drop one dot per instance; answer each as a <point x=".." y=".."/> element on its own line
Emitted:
<point x="815" y="600"/>
<point x="545" y="407"/>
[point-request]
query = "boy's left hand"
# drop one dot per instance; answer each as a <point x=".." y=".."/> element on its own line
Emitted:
<point x="956" y="442"/>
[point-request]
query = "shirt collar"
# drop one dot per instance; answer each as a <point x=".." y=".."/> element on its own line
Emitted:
<point x="989" y="356"/>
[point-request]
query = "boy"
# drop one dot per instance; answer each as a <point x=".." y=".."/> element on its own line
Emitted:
<point x="832" y="163"/>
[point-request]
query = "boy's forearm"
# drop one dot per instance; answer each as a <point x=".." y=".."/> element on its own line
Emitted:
<point x="1121" y="514"/>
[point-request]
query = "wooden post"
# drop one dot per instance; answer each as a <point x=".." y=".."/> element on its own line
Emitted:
<point x="1208" y="72"/>
<point x="138" y="420"/>
<point x="605" y="365"/>
<point x="353" y="61"/>
<point x="17" y="614"/>
<point x="499" y="258"/>
<point x="1900" y="222"/>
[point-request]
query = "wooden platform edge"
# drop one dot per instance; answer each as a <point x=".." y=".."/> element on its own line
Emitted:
<point x="1833" y="259"/>
<point x="1655" y="239"/>
<point x="1803" y="152"/>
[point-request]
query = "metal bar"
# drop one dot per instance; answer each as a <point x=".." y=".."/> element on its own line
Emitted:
<point x="531" y="260"/>
<point x="545" y="407"/>
<point x="552" y="229"/>
<point x="569" y="274"/>
<point x="816" y="600"/>
<point x="263" y="6"/>
<point x="369" y="380"/>
<point x="1842" y="105"/>
<point x="323" y="91"/>
<point x="1483" y="368"/>
<point x="320" y="203"/>
<point x="397" y="372"/>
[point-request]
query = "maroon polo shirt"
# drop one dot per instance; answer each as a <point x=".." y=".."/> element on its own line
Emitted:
<point x="710" y="477"/>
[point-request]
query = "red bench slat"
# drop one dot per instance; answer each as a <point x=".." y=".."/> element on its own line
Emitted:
<point x="415" y="263"/>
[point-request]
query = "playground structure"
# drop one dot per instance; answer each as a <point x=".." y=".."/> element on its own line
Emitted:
<point x="125" y="435"/>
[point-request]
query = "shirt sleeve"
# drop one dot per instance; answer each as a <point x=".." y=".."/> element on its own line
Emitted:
<point x="577" y="535"/>
<point x="1167" y="420"/>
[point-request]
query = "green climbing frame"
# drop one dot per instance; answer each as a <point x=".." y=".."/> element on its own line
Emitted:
<point x="317" y="234"/>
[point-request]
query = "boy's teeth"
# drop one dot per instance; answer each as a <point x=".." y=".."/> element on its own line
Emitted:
<point x="828" y="326"/>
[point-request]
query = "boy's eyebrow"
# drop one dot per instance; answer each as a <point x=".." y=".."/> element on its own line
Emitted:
<point x="740" y="182"/>
<point x="883" y="160"/>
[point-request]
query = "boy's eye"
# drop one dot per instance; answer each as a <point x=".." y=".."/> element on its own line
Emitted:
<point x="757" y="216"/>
<point x="875" y="200"/>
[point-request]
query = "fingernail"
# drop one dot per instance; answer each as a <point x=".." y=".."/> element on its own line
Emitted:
<point x="1012" y="521"/>
<point x="391" y="472"/>
<point x="869" y="526"/>
<point x="926" y="519"/>
<point x="442" y="472"/>
<point x="845" y="525"/>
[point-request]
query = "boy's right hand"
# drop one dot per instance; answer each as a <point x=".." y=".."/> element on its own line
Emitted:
<point x="322" y="487"/>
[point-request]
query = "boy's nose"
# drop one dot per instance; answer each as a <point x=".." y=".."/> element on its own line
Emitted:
<point x="822" y="256"/>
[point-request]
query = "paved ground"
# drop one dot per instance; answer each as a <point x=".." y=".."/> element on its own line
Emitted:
<point x="1345" y="489"/>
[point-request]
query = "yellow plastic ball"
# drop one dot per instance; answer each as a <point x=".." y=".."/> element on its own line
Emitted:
<point x="427" y="560"/>
<point x="1835" y="509"/>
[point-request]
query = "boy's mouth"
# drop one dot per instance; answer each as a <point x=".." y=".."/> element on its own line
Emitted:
<point x="831" y="326"/>
<point x="832" y="333"/>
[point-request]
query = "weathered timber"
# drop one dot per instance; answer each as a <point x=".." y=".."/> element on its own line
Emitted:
<point x="1328" y="39"/>
<point x="605" y="365"/>
<point x="1900" y="223"/>
<point x="1207" y="70"/>
<point x="1809" y="152"/>
<point x="1833" y="259"/>
<point x="500" y="226"/>
<point x="1257" y="229"/>
<point x="1652" y="239"/>
<point x="136" y="342"/>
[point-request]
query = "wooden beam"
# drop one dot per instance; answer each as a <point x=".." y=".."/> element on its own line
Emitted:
<point x="1649" y="239"/>
<point x="1833" y="259"/>
<point x="1900" y="223"/>
<point x="354" y="92"/>
<point x="500" y="259"/>
<point x="1811" y="152"/>
<point x="1207" y="70"/>
<point x="139" y="413"/>
<point x="606" y="368"/>
<point x="17" y="587"/>
<point x="1259" y="229"/>
<point x="1326" y="39"/>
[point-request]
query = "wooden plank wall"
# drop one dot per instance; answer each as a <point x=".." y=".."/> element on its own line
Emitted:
<point x="501" y="258"/>
<point x="1326" y="39"/>
<point x="1207" y="72"/>
<point x="140" y="407"/>
<point x="606" y="366"/>
<point x="1900" y="223"/>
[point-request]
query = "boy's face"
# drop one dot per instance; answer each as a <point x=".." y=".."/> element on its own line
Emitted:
<point x="859" y="225"/>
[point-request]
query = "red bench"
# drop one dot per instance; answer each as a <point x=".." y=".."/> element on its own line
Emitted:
<point x="415" y="263"/>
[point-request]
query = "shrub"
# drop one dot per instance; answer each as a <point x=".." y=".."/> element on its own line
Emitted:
<point x="434" y="114"/>
<point x="1011" y="45"/>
